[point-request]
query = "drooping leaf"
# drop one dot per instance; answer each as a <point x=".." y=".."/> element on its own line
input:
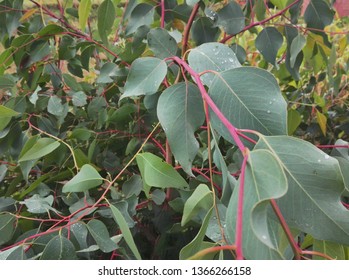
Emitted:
<point x="41" y="148"/>
<point x="142" y="14"/>
<point x="180" y="112"/>
<point x="268" y="42"/>
<point x="312" y="203"/>
<point x="145" y="76"/>
<point x="161" y="43"/>
<point x="231" y="18"/>
<point x="212" y="56"/>
<point x="105" y="19"/>
<point x="204" y="31"/>
<point x="296" y="47"/>
<point x="201" y="198"/>
<point x="264" y="180"/>
<point x="100" y="234"/>
<point x="84" y="11"/>
<point x="157" y="173"/>
<point x="86" y="179"/>
<point x="126" y="233"/>
<point x="258" y="106"/>
<point x="198" y="243"/>
<point x="59" y="248"/>
<point x="51" y="29"/>
<point x="7" y="227"/>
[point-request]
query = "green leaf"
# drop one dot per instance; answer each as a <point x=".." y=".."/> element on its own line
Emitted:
<point x="132" y="186"/>
<point x="5" y="116"/>
<point x="145" y="76"/>
<point x="51" y="29"/>
<point x="84" y="11"/>
<point x="212" y="56"/>
<point x="294" y="119"/>
<point x="260" y="9"/>
<point x="258" y="106"/>
<point x="41" y="148"/>
<point x="86" y="179"/>
<point x="79" y="98"/>
<point x="15" y="253"/>
<point x="231" y="18"/>
<point x="204" y="31"/>
<point x="158" y="196"/>
<point x="59" y="248"/>
<point x="161" y="43"/>
<point x="126" y="233"/>
<point x="264" y="180"/>
<point x="296" y="47"/>
<point x="198" y="243"/>
<point x="100" y="234"/>
<point x="7" y="82"/>
<point x="333" y="250"/>
<point x="291" y="33"/>
<point x="281" y="4"/>
<point x="322" y="121"/>
<point x="105" y="19"/>
<point x="239" y="52"/>
<point x="180" y="112"/>
<point x="201" y="198"/>
<point x="318" y="14"/>
<point x="313" y="201"/>
<point x="7" y="227"/>
<point x="268" y="42"/>
<point x="142" y="14"/>
<point x="157" y="173"/>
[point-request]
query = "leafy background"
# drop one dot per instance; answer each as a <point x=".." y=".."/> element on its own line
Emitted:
<point x="174" y="129"/>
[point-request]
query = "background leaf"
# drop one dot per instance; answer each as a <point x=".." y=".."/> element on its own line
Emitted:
<point x="59" y="248"/>
<point x="268" y="42"/>
<point x="41" y="148"/>
<point x="231" y="18"/>
<point x="100" y="234"/>
<point x="106" y="18"/>
<point x="161" y="43"/>
<point x="84" y="11"/>
<point x="145" y="76"/>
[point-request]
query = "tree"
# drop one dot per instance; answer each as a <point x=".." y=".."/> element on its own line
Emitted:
<point x="172" y="129"/>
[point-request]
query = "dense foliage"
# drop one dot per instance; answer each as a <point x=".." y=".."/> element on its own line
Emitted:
<point x="138" y="129"/>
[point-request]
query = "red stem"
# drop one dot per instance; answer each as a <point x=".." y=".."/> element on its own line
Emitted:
<point x="239" y="215"/>
<point x="253" y="24"/>
<point x="188" y="27"/>
<point x="162" y="4"/>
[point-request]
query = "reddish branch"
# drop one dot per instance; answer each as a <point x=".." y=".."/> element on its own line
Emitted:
<point x="253" y="24"/>
<point x="188" y="27"/>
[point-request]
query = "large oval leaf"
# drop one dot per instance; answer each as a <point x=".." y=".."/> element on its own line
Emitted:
<point x="231" y="18"/>
<point x="180" y="112"/>
<point x="145" y="76"/>
<point x="157" y="173"/>
<point x="212" y="56"/>
<point x="313" y="201"/>
<point x="250" y="98"/>
<point x="86" y="179"/>
<point x="59" y="248"/>
<point x="100" y="234"/>
<point x="264" y="180"/>
<point x="268" y="42"/>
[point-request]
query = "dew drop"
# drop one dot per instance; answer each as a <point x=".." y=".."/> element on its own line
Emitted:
<point x="274" y="99"/>
<point x="264" y="237"/>
<point x="270" y="102"/>
<point x="319" y="160"/>
<point x="268" y="112"/>
<point x="327" y="156"/>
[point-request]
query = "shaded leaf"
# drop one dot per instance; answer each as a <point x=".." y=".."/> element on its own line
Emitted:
<point x="5" y="116"/>
<point x="106" y="17"/>
<point x="37" y="204"/>
<point x="322" y="121"/>
<point x="231" y="18"/>
<point x="204" y="31"/>
<point x="7" y="227"/>
<point x="296" y="47"/>
<point x="86" y="179"/>
<point x="51" y="29"/>
<point x="145" y="76"/>
<point x="212" y="56"/>
<point x="268" y="42"/>
<point x="161" y="43"/>
<point x="318" y="14"/>
<point x="294" y="119"/>
<point x="157" y="173"/>
<point x="142" y="14"/>
<point x="180" y="112"/>
<point x="100" y="234"/>
<point x="333" y="250"/>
